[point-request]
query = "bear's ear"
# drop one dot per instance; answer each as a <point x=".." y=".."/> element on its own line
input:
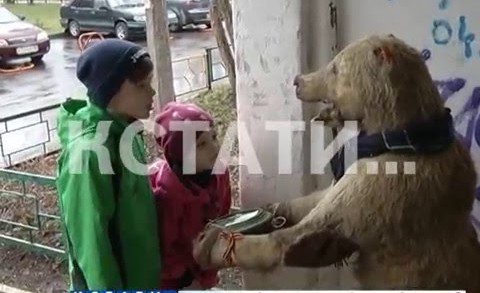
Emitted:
<point x="383" y="53"/>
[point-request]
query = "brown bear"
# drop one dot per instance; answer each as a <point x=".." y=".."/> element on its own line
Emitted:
<point x="412" y="229"/>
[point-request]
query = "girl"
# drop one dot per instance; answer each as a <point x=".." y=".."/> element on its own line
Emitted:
<point x="186" y="203"/>
<point x="109" y="219"/>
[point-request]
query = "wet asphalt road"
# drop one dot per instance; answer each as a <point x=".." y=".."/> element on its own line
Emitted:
<point x="54" y="80"/>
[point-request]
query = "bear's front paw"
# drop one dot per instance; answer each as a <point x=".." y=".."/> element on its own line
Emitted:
<point x="319" y="249"/>
<point x="203" y="246"/>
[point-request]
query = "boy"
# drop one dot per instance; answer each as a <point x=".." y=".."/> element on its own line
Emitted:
<point x="109" y="219"/>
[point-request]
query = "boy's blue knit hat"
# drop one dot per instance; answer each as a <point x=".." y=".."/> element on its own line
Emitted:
<point x="105" y="65"/>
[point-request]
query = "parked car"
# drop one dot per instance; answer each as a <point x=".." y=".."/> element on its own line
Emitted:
<point x="126" y="19"/>
<point x="190" y="12"/>
<point x="20" y="39"/>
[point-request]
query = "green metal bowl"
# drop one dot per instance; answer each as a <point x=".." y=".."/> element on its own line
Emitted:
<point x="252" y="221"/>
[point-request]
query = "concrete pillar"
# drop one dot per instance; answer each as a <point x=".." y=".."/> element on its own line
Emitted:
<point x="275" y="40"/>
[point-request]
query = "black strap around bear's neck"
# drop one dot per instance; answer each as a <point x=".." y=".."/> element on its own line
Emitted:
<point x="426" y="137"/>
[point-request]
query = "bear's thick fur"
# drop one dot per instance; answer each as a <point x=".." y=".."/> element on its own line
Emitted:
<point x="414" y="231"/>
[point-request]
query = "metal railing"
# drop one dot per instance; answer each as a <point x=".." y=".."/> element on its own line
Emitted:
<point x="28" y="135"/>
<point x="199" y="72"/>
<point x="23" y="219"/>
<point x="24" y="222"/>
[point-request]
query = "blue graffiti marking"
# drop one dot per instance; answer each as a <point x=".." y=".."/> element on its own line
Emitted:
<point x="442" y="34"/>
<point x="450" y="86"/>
<point x="475" y="104"/>
<point x="466" y="38"/>
<point x="476" y="223"/>
<point x="438" y="24"/>
<point x="443" y="4"/>
<point x="469" y="112"/>
<point x="426" y="54"/>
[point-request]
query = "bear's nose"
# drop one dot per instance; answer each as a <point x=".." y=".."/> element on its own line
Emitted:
<point x="297" y="80"/>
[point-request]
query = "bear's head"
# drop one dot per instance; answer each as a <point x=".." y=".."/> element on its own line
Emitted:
<point x="379" y="81"/>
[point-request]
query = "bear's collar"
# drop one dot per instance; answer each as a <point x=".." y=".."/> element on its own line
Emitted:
<point x="426" y="137"/>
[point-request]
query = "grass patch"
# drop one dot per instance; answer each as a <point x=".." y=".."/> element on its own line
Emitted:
<point x="45" y="16"/>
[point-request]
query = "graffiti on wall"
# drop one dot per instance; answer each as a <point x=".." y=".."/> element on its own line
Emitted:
<point x="443" y="34"/>
<point x="442" y="4"/>
<point x="468" y="115"/>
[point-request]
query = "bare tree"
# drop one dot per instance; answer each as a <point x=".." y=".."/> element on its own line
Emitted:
<point x="159" y="47"/>
<point x="222" y="24"/>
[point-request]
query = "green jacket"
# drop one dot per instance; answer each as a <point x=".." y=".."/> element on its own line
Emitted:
<point x="109" y="220"/>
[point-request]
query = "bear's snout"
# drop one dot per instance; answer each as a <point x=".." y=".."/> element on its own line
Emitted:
<point x="310" y="87"/>
<point x="297" y="80"/>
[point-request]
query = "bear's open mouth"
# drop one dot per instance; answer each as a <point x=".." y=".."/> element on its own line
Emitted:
<point x="328" y="111"/>
<point x="328" y="103"/>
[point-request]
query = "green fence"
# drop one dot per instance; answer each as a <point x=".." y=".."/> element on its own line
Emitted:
<point x="24" y="220"/>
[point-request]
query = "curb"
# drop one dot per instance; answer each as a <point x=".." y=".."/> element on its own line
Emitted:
<point x="6" y="289"/>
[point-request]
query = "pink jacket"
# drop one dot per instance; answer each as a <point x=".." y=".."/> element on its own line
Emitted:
<point x="183" y="216"/>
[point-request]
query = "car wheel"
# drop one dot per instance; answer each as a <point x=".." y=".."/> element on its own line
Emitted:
<point x="37" y="59"/>
<point x="178" y="25"/>
<point x="74" y="28"/>
<point x="121" y="31"/>
<point x="174" y="28"/>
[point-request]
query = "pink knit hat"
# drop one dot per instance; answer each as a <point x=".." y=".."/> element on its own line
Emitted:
<point x="171" y="141"/>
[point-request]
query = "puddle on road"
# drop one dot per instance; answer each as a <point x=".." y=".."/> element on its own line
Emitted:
<point x="55" y="80"/>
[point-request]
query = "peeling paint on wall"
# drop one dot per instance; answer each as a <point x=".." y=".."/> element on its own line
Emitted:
<point x="264" y="64"/>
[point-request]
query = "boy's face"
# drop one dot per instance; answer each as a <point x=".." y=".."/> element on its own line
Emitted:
<point x="135" y="99"/>
<point x="207" y="150"/>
